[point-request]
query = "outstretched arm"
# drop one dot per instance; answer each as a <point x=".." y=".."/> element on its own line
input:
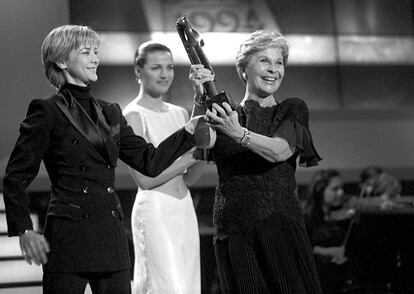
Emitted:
<point x="144" y="157"/>
<point x="178" y="167"/>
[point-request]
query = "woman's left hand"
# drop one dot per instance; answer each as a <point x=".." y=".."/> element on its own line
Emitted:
<point x="225" y="119"/>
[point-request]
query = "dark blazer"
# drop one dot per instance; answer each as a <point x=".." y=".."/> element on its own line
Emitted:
<point x="84" y="224"/>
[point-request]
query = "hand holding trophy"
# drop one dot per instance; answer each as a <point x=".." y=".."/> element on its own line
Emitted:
<point x="193" y="45"/>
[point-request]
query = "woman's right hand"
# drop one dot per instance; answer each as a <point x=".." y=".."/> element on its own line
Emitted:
<point x="189" y="156"/>
<point x="34" y="247"/>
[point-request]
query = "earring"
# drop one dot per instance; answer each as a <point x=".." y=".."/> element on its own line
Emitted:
<point x="61" y="65"/>
<point x="244" y="76"/>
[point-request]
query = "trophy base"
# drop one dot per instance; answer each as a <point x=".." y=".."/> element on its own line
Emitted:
<point x="202" y="136"/>
<point x="219" y="99"/>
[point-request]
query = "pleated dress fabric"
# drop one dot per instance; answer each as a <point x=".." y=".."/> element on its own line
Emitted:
<point x="261" y="243"/>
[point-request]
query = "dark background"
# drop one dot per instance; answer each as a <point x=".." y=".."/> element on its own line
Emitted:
<point x="361" y="109"/>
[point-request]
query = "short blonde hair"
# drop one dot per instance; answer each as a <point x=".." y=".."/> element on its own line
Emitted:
<point x="57" y="46"/>
<point x="258" y="41"/>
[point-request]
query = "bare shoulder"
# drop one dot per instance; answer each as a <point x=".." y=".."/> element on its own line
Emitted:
<point x="131" y="107"/>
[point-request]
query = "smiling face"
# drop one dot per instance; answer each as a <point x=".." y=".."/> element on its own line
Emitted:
<point x="81" y="65"/>
<point x="264" y="72"/>
<point x="157" y="73"/>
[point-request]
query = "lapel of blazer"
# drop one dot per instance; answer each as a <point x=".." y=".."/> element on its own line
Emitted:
<point x="82" y="122"/>
<point x="109" y="129"/>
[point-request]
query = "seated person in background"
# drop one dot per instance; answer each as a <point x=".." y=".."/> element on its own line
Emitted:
<point x="368" y="176"/>
<point x="378" y="188"/>
<point x="327" y="219"/>
<point x="386" y="186"/>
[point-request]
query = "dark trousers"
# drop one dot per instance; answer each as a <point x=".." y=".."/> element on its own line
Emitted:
<point x="274" y="257"/>
<point x="75" y="283"/>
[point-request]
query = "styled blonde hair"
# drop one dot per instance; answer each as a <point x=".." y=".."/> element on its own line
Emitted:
<point x="57" y="46"/>
<point x="258" y="41"/>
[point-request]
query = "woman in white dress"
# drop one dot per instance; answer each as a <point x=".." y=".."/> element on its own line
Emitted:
<point x="164" y="222"/>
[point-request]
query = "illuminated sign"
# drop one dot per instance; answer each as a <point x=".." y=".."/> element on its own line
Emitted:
<point x="210" y="15"/>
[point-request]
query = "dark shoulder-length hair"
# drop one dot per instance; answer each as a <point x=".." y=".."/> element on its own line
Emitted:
<point x="313" y="207"/>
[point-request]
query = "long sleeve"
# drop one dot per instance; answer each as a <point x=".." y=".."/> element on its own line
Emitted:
<point x="147" y="159"/>
<point x="23" y="166"/>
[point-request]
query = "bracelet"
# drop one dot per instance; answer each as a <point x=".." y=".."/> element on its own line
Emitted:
<point x="200" y="101"/>
<point x="198" y="104"/>
<point x="247" y="137"/>
<point x="25" y="232"/>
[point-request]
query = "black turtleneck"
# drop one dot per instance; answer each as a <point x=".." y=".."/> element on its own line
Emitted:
<point x="83" y="96"/>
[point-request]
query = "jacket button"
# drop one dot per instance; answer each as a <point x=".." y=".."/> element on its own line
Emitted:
<point x="110" y="190"/>
<point x="108" y="166"/>
<point x="85" y="190"/>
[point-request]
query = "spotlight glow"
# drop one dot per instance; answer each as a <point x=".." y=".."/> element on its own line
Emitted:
<point x="220" y="48"/>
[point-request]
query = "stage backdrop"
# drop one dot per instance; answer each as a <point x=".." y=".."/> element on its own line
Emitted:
<point x="352" y="61"/>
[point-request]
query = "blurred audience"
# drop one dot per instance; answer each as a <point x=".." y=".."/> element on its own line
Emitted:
<point x="378" y="189"/>
<point x="368" y="177"/>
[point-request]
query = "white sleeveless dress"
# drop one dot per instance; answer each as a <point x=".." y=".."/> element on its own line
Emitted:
<point x="165" y="229"/>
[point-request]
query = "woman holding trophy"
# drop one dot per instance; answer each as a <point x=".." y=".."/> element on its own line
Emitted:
<point x="261" y="244"/>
